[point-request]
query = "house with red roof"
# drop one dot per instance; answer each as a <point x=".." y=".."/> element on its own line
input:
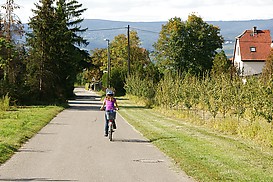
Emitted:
<point x="252" y="48"/>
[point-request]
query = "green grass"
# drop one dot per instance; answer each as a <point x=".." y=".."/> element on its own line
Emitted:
<point x="20" y="124"/>
<point x="202" y="153"/>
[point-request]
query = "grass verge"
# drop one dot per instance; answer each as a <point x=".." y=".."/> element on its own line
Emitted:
<point x="202" y="153"/>
<point x="19" y="124"/>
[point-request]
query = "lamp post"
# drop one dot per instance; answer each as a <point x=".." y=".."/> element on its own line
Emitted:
<point x="108" y="63"/>
<point x="128" y="34"/>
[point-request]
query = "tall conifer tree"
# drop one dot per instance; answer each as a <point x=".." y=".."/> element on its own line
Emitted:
<point x="69" y="14"/>
<point x="40" y="65"/>
<point x="54" y="58"/>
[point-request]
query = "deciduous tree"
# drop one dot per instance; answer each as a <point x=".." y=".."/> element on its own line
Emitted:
<point x="221" y="64"/>
<point x="139" y="57"/>
<point x="188" y="46"/>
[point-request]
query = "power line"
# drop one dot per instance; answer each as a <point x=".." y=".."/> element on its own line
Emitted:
<point x="117" y="28"/>
<point x="145" y="30"/>
<point x="104" y="29"/>
<point x="94" y="30"/>
<point x="120" y="28"/>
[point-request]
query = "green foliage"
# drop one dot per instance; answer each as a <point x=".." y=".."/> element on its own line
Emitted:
<point x="142" y="87"/>
<point x="177" y="92"/>
<point x="12" y="69"/>
<point x="3" y="58"/>
<point x="5" y="103"/>
<point x="268" y="68"/>
<point x="97" y="66"/>
<point x="220" y="64"/>
<point x="233" y="102"/>
<point x="167" y="86"/>
<point x="117" y="80"/>
<point x="55" y="60"/>
<point x="119" y="52"/>
<point x="266" y="95"/>
<point x="41" y="76"/>
<point x="140" y="62"/>
<point x="188" y="46"/>
<point x="104" y="80"/>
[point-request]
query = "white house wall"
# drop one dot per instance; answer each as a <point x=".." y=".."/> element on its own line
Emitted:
<point x="252" y="68"/>
<point x="246" y="68"/>
<point x="237" y="57"/>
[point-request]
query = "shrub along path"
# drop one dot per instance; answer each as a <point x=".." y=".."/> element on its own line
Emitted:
<point x="206" y="155"/>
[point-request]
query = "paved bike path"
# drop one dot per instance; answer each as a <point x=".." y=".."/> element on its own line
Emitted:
<point x="72" y="148"/>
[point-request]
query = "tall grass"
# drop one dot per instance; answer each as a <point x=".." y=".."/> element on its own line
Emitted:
<point x="5" y="103"/>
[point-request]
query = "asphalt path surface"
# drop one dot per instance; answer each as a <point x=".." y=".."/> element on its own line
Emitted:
<point x="72" y="147"/>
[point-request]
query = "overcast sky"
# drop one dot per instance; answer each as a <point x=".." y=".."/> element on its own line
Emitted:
<point x="163" y="10"/>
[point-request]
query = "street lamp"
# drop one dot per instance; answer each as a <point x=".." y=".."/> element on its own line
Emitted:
<point x="108" y="63"/>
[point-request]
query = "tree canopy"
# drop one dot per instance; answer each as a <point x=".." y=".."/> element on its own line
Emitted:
<point x="188" y="46"/>
<point x="119" y="60"/>
<point x="221" y="64"/>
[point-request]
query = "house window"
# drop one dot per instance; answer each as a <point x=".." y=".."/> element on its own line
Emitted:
<point x="252" y="49"/>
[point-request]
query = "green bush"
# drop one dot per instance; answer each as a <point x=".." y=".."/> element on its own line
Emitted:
<point x="5" y="103"/>
<point x="143" y="88"/>
<point x="104" y="80"/>
<point x="117" y="80"/>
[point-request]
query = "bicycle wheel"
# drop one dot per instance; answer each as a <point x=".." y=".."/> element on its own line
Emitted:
<point x="110" y="133"/>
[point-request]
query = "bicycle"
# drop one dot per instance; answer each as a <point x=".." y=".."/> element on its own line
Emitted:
<point x="110" y="116"/>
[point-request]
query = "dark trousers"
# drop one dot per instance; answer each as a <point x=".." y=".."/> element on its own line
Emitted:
<point x="106" y="125"/>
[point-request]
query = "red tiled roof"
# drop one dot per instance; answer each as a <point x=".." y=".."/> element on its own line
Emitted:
<point x="260" y="40"/>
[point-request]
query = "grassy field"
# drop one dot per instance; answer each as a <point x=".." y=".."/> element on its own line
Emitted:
<point x="17" y="125"/>
<point x="203" y="154"/>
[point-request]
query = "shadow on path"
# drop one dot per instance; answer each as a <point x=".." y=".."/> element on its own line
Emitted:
<point x="85" y="102"/>
<point x="131" y="140"/>
<point x="87" y="97"/>
<point x="33" y="179"/>
<point x="84" y="108"/>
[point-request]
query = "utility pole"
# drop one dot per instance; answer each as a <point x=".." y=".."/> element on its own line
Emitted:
<point x="128" y="35"/>
<point x="108" y="63"/>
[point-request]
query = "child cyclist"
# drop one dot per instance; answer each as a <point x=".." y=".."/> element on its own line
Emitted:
<point x="110" y="103"/>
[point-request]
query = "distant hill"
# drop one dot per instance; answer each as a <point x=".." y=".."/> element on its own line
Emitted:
<point x="148" y="31"/>
<point x="98" y="30"/>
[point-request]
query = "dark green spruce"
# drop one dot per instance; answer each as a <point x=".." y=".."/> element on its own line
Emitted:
<point x="55" y="58"/>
